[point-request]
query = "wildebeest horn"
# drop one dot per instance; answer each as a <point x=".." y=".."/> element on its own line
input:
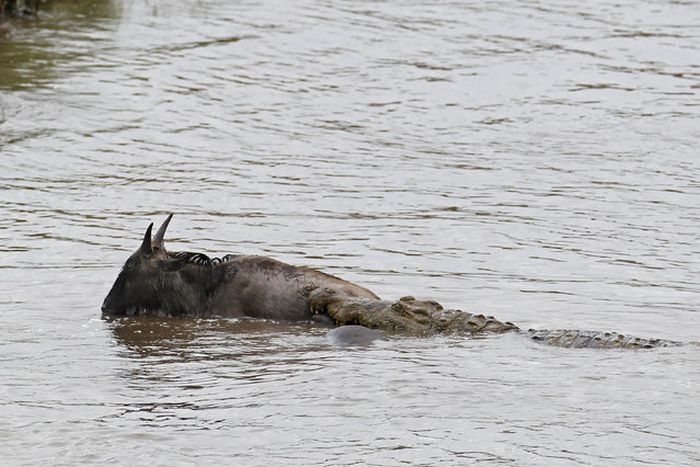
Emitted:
<point x="158" y="239"/>
<point x="146" y="248"/>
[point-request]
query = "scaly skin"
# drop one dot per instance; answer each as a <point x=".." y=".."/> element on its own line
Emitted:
<point x="426" y="318"/>
<point x="576" y="339"/>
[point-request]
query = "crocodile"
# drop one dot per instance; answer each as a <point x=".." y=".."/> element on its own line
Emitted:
<point x="410" y="316"/>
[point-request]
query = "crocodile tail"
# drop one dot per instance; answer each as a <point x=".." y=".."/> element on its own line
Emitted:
<point x="594" y="339"/>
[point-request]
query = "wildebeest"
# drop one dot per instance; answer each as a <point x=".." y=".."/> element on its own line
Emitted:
<point x="154" y="281"/>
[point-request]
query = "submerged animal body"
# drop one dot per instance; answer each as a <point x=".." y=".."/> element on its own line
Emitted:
<point x="154" y="281"/>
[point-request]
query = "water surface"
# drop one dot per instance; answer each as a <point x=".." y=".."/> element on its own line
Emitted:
<point x="537" y="162"/>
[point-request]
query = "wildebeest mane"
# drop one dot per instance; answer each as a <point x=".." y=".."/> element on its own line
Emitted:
<point x="200" y="259"/>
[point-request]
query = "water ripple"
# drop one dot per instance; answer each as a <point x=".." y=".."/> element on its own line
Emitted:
<point x="533" y="161"/>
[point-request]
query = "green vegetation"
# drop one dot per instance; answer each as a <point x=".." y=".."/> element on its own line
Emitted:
<point x="10" y="8"/>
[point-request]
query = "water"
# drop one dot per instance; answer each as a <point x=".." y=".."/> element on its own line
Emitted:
<point x="537" y="162"/>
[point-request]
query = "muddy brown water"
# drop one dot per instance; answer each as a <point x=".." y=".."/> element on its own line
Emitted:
<point x="537" y="161"/>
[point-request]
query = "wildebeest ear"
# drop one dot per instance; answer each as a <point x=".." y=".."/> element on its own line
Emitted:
<point x="146" y="249"/>
<point x="158" y="239"/>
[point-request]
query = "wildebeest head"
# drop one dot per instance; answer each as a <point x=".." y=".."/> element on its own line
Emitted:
<point x="151" y="281"/>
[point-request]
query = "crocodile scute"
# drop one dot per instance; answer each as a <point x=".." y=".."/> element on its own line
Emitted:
<point x="577" y="339"/>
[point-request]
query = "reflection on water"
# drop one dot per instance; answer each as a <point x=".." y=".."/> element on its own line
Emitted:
<point x="533" y="161"/>
<point x="149" y="336"/>
<point x="67" y="35"/>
